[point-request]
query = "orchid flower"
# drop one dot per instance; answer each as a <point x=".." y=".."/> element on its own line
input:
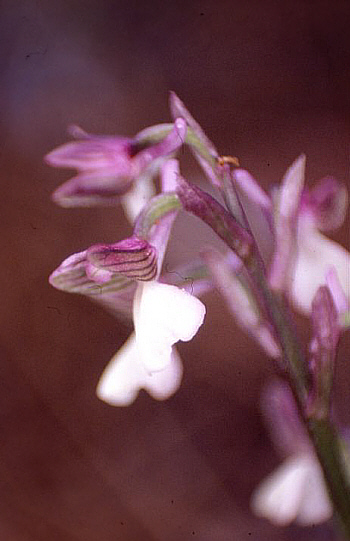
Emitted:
<point x="322" y="208"/>
<point x="163" y="314"/>
<point x="303" y="254"/>
<point x="112" y="169"/>
<point x="275" y="250"/>
<point x="288" y="229"/>
<point x="295" y="491"/>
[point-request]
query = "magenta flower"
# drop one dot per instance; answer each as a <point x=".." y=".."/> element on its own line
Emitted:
<point x="126" y="277"/>
<point x="112" y="169"/>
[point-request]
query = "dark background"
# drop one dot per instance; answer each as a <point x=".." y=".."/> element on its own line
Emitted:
<point x="267" y="80"/>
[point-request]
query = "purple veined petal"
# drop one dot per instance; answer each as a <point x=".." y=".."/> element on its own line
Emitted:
<point x="108" y="167"/>
<point x="228" y="277"/>
<point x="163" y="315"/>
<point x="326" y="203"/>
<point x="118" y="302"/>
<point x="125" y="376"/>
<point x="116" y="294"/>
<point x="133" y="257"/>
<point x="97" y="275"/>
<point x="71" y="275"/>
<point x="257" y="208"/>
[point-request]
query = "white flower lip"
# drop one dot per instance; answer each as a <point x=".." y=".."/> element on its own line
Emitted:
<point x="294" y="492"/>
<point x="125" y="375"/>
<point x="163" y="315"/>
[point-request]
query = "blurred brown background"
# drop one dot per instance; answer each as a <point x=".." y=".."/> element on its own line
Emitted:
<point x="267" y="80"/>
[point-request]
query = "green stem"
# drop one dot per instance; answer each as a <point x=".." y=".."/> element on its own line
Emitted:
<point x="329" y="452"/>
<point x="321" y="431"/>
<point x="284" y="329"/>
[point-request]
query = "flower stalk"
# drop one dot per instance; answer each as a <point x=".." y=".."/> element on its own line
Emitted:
<point x="321" y="430"/>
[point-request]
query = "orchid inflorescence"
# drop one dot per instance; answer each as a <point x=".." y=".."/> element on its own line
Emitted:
<point x="276" y="258"/>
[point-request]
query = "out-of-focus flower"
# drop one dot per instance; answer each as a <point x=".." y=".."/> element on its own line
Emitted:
<point x="315" y="253"/>
<point x="296" y="490"/>
<point x="289" y="229"/>
<point x="112" y="169"/>
<point x="303" y="254"/>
